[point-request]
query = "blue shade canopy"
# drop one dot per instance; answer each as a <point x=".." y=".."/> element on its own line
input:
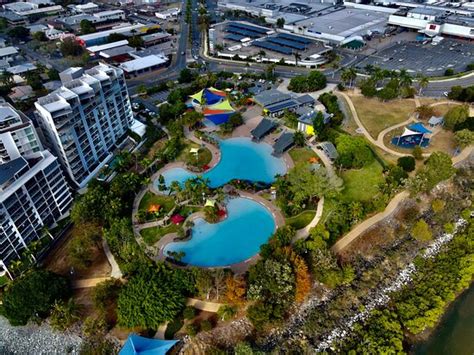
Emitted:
<point x="137" y="345"/>
<point x="418" y="127"/>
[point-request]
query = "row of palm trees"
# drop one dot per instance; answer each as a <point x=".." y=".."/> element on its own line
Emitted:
<point x="349" y="76"/>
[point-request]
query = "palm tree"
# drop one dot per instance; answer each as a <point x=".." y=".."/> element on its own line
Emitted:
<point x="349" y="75"/>
<point x="405" y="78"/>
<point x="297" y="57"/>
<point x="423" y="83"/>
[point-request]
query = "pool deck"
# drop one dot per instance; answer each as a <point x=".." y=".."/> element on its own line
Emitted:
<point x="237" y="268"/>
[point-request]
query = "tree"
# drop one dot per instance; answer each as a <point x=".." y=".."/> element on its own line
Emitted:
<point x="417" y="153"/>
<point x="449" y="72"/>
<point x="438" y="167"/>
<point x="226" y="312"/>
<point x="53" y="74"/>
<point x="153" y="296"/>
<point x="280" y="22"/>
<point x="318" y="123"/>
<point x="313" y="82"/>
<point x="64" y="315"/>
<point x="368" y="88"/>
<point x="464" y="138"/>
<point x="135" y="41"/>
<point x="40" y="36"/>
<point x="353" y="151"/>
<point x="186" y="76"/>
<point x="425" y="112"/>
<point x="348" y="75"/>
<point x="455" y="116"/>
<point x="69" y="47"/>
<point x="406" y="163"/>
<point x="87" y="27"/>
<point x="19" y="32"/>
<point x="421" y="231"/>
<point x="299" y="139"/>
<point x="105" y="295"/>
<point x="33" y="295"/>
<point x="34" y="80"/>
<point x="235" y="289"/>
<point x="423" y="82"/>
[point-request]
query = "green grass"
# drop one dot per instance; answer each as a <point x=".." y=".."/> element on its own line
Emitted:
<point x="174" y="326"/>
<point x="302" y="155"/>
<point x="154" y="234"/>
<point x="166" y="202"/>
<point x="204" y="156"/>
<point x="362" y="184"/>
<point x="301" y="220"/>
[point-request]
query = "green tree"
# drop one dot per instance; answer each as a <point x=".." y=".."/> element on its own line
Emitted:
<point x="33" y="295"/>
<point x="314" y="81"/>
<point x="299" y="139"/>
<point x="19" y="32"/>
<point x="422" y="231"/>
<point x="70" y="47"/>
<point x="417" y="153"/>
<point x="456" y="115"/>
<point x="280" y="22"/>
<point x="87" y="27"/>
<point x="53" y="74"/>
<point x="64" y="315"/>
<point x="318" y="123"/>
<point x="464" y="137"/>
<point x="186" y="76"/>
<point x="40" y="36"/>
<point x="135" y="41"/>
<point x="153" y="296"/>
<point x="353" y="151"/>
<point x="406" y="163"/>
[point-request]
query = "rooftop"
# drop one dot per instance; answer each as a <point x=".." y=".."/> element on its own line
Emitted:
<point x="270" y="97"/>
<point x="10" y="169"/>
<point x="8" y="51"/>
<point x="143" y="63"/>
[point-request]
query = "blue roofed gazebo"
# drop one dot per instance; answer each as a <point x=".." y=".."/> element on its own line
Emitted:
<point x="137" y="345"/>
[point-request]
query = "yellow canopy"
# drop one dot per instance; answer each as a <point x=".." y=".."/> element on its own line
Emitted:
<point x="210" y="203"/>
<point x="194" y="150"/>
<point x="223" y="105"/>
<point x="198" y="96"/>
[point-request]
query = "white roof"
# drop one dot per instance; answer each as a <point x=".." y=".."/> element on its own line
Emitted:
<point x="119" y="29"/>
<point x="21" y="68"/>
<point x="108" y="12"/>
<point x="138" y="127"/>
<point x="106" y="46"/>
<point x="89" y="5"/>
<point x="8" y="51"/>
<point x="143" y="63"/>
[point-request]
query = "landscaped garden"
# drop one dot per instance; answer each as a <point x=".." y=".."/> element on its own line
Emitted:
<point x="303" y="155"/>
<point x="154" y="234"/>
<point x="362" y="184"/>
<point x="301" y="220"/>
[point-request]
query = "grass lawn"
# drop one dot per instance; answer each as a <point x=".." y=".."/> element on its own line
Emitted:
<point x="302" y="155"/>
<point x="204" y="156"/>
<point x="154" y="234"/>
<point x="301" y="220"/>
<point x="376" y="115"/>
<point x="166" y="202"/>
<point x="362" y="184"/>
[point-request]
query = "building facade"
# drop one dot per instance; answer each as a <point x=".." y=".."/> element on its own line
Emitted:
<point x="85" y="119"/>
<point x="33" y="190"/>
<point x="17" y="135"/>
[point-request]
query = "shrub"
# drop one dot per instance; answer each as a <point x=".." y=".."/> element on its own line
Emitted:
<point x="421" y="231"/>
<point x="206" y="325"/>
<point x="33" y="295"/>
<point x="406" y="163"/>
<point x="189" y="312"/>
<point x="449" y="72"/>
<point x="417" y="153"/>
<point x="191" y="329"/>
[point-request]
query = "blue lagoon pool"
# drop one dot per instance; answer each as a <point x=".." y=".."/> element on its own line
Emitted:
<point x="240" y="159"/>
<point x="237" y="238"/>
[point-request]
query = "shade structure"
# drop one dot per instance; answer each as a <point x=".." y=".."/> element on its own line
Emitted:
<point x="223" y="105"/>
<point x="219" y="113"/>
<point x="213" y="96"/>
<point x="177" y="219"/>
<point x="220" y="118"/>
<point x="197" y="97"/>
<point x="418" y="127"/>
<point x="137" y="345"/>
<point x="210" y="203"/>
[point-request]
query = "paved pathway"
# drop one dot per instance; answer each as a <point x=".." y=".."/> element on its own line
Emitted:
<point x="304" y="232"/>
<point x="160" y="333"/>
<point x="116" y="272"/>
<point x="87" y="283"/>
<point x="204" y="305"/>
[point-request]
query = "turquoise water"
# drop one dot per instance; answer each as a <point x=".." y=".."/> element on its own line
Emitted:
<point x="454" y="335"/>
<point x="235" y="239"/>
<point x="240" y="159"/>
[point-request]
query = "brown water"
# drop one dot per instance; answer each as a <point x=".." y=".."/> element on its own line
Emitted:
<point x="455" y="334"/>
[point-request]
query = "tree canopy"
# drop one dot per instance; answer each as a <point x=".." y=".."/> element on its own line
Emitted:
<point x="33" y="295"/>
<point x="353" y="151"/>
<point x="314" y="81"/>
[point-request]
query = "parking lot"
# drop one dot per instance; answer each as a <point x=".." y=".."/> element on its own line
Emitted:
<point x="429" y="59"/>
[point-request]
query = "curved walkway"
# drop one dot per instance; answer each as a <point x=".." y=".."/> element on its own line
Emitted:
<point x="389" y="210"/>
<point x="304" y="232"/>
<point x="204" y="305"/>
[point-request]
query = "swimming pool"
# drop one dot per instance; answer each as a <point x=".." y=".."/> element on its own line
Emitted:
<point x="240" y="159"/>
<point x="237" y="238"/>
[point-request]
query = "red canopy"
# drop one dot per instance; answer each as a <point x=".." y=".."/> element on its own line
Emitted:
<point x="177" y="219"/>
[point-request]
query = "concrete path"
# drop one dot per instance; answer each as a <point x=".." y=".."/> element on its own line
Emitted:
<point x="204" y="305"/>
<point x="368" y="223"/>
<point x="215" y="152"/>
<point x="160" y="333"/>
<point x="87" y="283"/>
<point x="116" y="272"/>
<point x="304" y="232"/>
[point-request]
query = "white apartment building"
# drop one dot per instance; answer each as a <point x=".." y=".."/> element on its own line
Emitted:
<point x="17" y="135"/>
<point x="33" y="190"/>
<point x="85" y="119"/>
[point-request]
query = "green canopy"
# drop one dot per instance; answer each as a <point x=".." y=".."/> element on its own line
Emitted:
<point x="223" y="105"/>
<point x="198" y="96"/>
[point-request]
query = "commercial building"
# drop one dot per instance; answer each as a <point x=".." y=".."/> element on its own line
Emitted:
<point x="33" y="8"/>
<point x="167" y="14"/>
<point x="97" y="38"/>
<point x="275" y="102"/>
<point x="33" y="190"/>
<point x="85" y="119"/>
<point x="95" y="18"/>
<point x="142" y="65"/>
<point x="435" y="21"/>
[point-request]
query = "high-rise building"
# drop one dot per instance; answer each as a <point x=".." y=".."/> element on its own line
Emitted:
<point x="33" y="189"/>
<point x="17" y="135"/>
<point x="85" y="119"/>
